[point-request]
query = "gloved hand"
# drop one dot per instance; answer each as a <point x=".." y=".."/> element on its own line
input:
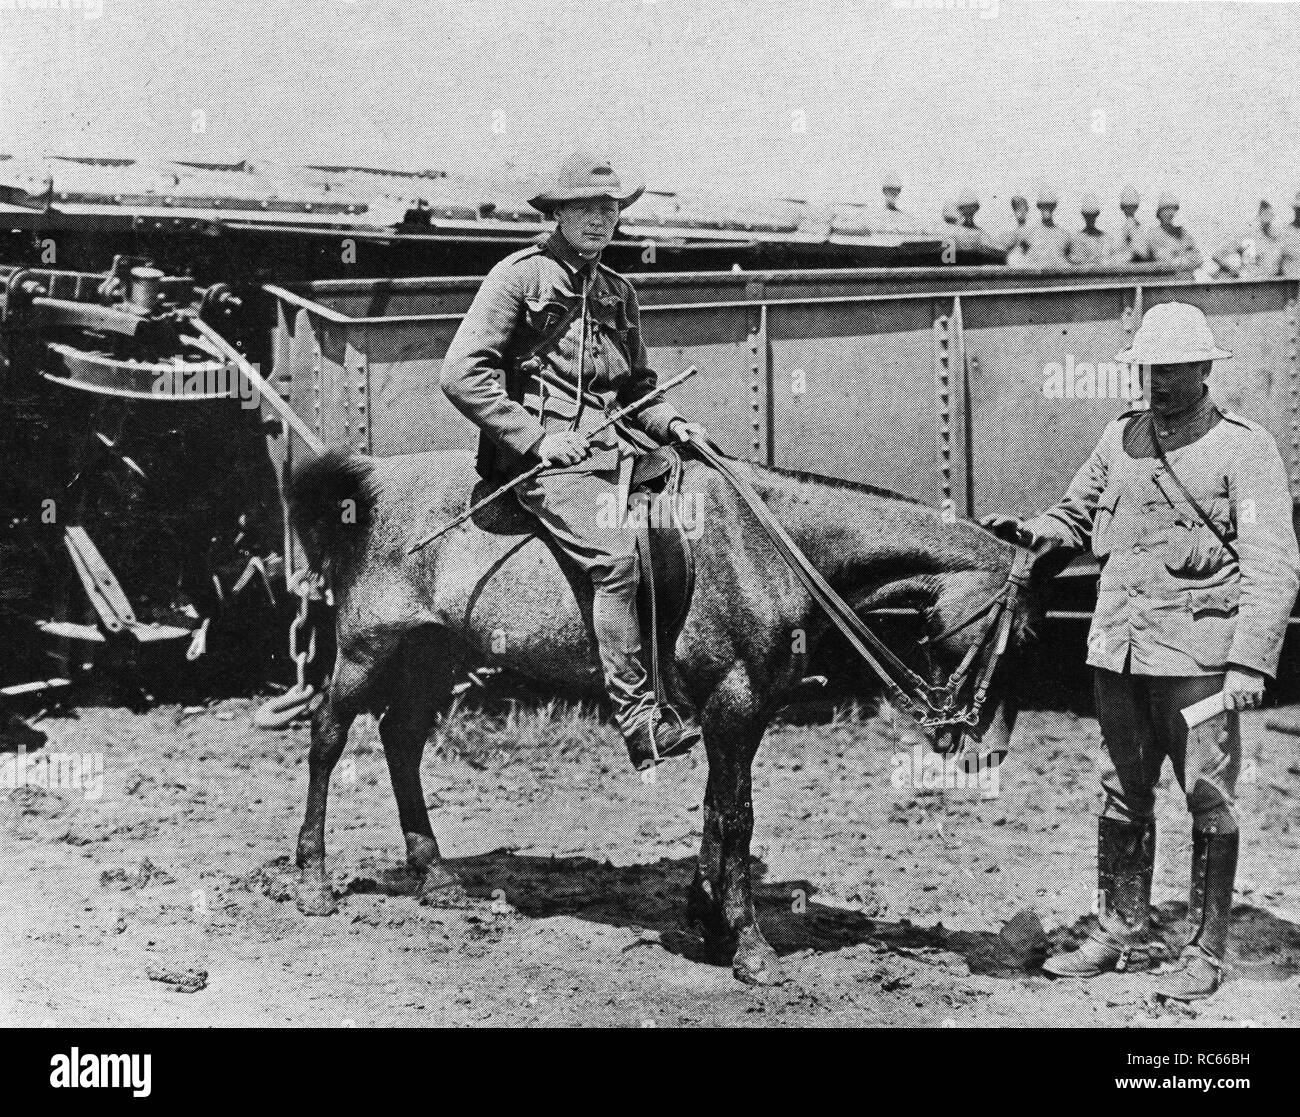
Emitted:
<point x="1243" y="689"/>
<point x="564" y="448"/>
<point x="1010" y="528"/>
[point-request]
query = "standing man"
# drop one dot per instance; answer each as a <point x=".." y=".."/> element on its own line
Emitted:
<point x="549" y="327"/>
<point x="1170" y="243"/>
<point x="1264" y="252"/>
<point x="1012" y="241"/>
<point x="1187" y="509"/>
<point x="893" y="219"/>
<point x="968" y="206"/>
<point x="1090" y="247"/>
<point x="1131" y="245"/>
<point x="892" y="187"/>
<point x="1047" y="246"/>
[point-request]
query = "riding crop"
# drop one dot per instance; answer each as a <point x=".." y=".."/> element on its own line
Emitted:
<point x="610" y="420"/>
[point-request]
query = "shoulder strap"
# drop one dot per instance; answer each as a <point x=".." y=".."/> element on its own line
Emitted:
<point x="1196" y="507"/>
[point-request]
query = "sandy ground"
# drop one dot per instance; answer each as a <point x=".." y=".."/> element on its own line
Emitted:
<point x="890" y="906"/>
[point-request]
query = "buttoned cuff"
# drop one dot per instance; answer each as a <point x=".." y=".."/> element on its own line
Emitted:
<point x="522" y="436"/>
<point x="1049" y="527"/>
<point x="1260" y="650"/>
<point x="654" y="419"/>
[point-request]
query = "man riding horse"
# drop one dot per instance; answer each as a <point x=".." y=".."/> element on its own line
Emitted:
<point x="550" y="327"/>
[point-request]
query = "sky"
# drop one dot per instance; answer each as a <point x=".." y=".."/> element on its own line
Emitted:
<point x="812" y="99"/>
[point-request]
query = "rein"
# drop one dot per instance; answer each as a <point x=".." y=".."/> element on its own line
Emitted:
<point x="933" y="707"/>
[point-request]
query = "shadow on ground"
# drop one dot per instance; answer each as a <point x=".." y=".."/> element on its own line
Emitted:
<point x="652" y="898"/>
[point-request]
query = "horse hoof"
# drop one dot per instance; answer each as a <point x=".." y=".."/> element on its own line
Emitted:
<point x="757" y="964"/>
<point x="316" y="898"/>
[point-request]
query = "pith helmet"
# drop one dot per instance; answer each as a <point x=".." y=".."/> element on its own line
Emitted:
<point x="1046" y="198"/>
<point x="1089" y="204"/>
<point x="1129" y="197"/>
<point x="1168" y="200"/>
<point x="892" y="182"/>
<point x="584" y="176"/>
<point x="967" y="200"/>
<point x="1172" y="334"/>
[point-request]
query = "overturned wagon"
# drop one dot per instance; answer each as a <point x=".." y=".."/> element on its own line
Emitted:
<point x="958" y="390"/>
<point x="970" y="389"/>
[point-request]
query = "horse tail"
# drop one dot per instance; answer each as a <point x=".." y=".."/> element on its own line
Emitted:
<point x="331" y="501"/>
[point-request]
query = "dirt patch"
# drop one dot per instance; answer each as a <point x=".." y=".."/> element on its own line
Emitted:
<point x="895" y="905"/>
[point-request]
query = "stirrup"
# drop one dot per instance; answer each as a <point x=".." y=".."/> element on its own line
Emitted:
<point x="653" y="741"/>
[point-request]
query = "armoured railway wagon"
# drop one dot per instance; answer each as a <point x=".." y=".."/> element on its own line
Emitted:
<point x="143" y="477"/>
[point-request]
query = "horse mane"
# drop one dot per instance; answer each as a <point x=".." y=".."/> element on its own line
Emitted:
<point x="840" y="483"/>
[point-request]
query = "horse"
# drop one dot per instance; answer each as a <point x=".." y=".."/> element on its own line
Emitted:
<point x="494" y="591"/>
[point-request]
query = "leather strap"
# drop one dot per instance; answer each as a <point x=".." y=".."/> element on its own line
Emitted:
<point x="648" y="580"/>
<point x="1196" y="507"/>
<point x="864" y="641"/>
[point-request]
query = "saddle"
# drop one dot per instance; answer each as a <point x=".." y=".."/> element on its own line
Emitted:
<point x="667" y="564"/>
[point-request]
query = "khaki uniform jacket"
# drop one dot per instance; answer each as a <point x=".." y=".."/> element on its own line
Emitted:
<point x="1172" y="600"/>
<point x="1131" y="244"/>
<point x="1264" y="255"/>
<point x="521" y="300"/>
<point x="1087" y="249"/>
<point x="1046" y="246"/>
<point x="1177" y="248"/>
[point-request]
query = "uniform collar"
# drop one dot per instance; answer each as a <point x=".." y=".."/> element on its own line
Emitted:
<point x="1169" y="424"/>
<point x="559" y="247"/>
<point x="1174" y="432"/>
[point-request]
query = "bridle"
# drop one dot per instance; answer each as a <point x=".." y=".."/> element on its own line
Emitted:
<point x="935" y="708"/>
<point x="941" y="702"/>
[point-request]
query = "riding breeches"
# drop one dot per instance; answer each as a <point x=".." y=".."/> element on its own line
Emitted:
<point x="583" y="514"/>
<point x="1141" y="724"/>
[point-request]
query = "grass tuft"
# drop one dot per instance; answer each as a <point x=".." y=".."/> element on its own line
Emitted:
<point x="478" y="736"/>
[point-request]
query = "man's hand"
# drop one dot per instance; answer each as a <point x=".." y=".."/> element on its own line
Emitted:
<point x="682" y="431"/>
<point x="565" y="448"/>
<point x="1243" y="689"/>
<point x="1010" y="528"/>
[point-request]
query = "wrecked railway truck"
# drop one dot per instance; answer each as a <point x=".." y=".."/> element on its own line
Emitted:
<point x="173" y="338"/>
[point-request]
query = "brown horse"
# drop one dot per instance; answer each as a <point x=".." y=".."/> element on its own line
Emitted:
<point x="495" y="592"/>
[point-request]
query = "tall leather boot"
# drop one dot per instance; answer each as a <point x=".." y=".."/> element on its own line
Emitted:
<point x="1126" y="857"/>
<point x="1209" y="908"/>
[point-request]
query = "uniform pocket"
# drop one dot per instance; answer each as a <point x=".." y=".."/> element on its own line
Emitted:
<point x="1219" y="601"/>
<point x="541" y="316"/>
<point x="1192" y="550"/>
<point x="610" y="313"/>
<point x="1212" y="623"/>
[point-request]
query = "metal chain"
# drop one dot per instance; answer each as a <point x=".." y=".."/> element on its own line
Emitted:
<point x="305" y="587"/>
